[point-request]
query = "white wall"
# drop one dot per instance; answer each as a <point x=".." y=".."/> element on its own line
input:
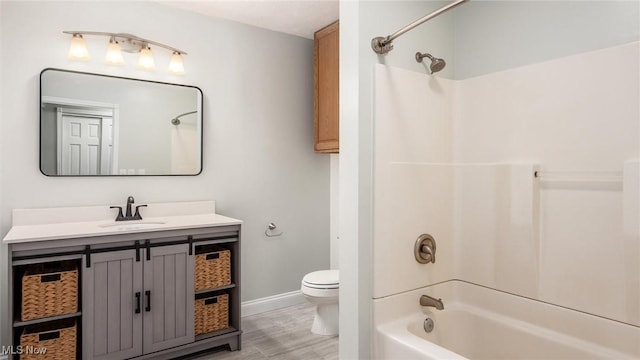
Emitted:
<point x="334" y="212"/>
<point x="414" y="179"/>
<point x="559" y="88"/>
<point x="3" y="253"/>
<point x="564" y="240"/>
<point x="259" y="163"/>
<point x="359" y="23"/>
<point x="573" y="247"/>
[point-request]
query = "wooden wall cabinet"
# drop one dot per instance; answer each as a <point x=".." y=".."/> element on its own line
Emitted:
<point x="326" y="90"/>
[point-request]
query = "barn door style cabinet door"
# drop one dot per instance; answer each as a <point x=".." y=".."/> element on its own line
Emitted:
<point x="168" y="298"/>
<point x="111" y="299"/>
<point x="326" y="90"/>
<point x="140" y="302"/>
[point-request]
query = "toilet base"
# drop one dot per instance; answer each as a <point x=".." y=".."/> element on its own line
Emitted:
<point x="326" y="320"/>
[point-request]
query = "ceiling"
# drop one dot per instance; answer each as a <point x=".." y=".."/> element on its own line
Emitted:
<point x="296" y="17"/>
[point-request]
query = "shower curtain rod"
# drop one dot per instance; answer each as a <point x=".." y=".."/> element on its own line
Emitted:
<point x="382" y="45"/>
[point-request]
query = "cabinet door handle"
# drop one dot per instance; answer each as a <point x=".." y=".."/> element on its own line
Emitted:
<point x="148" y="295"/>
<point x="138" y="302"/>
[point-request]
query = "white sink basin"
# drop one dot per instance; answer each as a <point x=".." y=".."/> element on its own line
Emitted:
<point x="133" y="225"/>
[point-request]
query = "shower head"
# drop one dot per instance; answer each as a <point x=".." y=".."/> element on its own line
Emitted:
<point x="175" y="121"/>
<point x="436" y="63"/>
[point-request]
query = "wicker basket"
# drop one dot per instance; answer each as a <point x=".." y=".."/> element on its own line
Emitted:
<point x="49" y="342"/>
<point x="49" y="290"/>
<point x="212" y="314"/>
<point x="213" y="267"/>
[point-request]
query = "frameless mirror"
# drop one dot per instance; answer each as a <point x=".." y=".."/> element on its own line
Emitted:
<point x="94" y="125"/>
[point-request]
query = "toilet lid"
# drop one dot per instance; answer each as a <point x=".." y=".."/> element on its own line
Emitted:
<point x="322" y="278"/>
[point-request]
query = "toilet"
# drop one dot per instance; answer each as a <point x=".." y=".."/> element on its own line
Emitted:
<point x="321" y="289"/>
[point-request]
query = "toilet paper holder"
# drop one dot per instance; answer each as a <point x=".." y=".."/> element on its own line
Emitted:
<point x="270" y="228"/>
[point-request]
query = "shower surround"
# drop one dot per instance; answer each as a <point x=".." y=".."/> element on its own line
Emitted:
<point x="456" y="159"/>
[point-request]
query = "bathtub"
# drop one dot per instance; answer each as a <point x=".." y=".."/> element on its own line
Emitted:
<point x="481" y="323"/>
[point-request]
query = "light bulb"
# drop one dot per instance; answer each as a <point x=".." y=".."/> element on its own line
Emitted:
<point x="78" y="48"/>
<point x="176" y="66"/>
<point x="145" y="60"/>
<point x="114" y="53"/>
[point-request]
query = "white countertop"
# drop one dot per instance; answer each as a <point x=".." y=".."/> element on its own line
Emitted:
<point x="32" y="225"/>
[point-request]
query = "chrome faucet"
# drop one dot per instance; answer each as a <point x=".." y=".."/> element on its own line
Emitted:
<point x="426" y="300"/>
<point x="128" y="215"/>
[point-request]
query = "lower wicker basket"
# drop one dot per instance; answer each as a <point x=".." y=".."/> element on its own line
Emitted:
<point x="55" y="341"/>
<point x="212" y="314"/>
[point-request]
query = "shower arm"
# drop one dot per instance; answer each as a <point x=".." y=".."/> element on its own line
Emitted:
<point x="382" y="45"/>
<point x="187" y="113"/>
<point x="176" y="120"/>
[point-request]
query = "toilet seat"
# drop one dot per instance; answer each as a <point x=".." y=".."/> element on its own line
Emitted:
<point x="323" y="279"/>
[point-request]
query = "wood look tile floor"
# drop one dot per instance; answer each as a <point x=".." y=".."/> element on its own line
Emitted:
<point x="283" y="334"/>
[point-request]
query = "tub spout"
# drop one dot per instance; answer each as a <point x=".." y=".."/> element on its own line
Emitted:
<point x="426" y="300"/>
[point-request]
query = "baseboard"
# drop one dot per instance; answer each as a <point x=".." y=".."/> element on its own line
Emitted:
<point x="257" y="306"/>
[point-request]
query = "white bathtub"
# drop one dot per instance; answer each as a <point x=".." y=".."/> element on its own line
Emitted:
<point x="479" y="323"/>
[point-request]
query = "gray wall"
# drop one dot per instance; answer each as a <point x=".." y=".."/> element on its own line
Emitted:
<point x="259" y="163"/>
<point x="492" y="36"/>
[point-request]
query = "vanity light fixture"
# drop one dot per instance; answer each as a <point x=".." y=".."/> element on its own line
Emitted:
<point x="114" y="53"/>
<point x="176" y="66"/>
<point x="78" y="48"/>
<point x="119" y="42"/>
<point x="145" y="60"/>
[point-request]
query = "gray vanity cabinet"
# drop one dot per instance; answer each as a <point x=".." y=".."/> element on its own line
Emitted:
<point x="139" y="304"/>
<point x="111" y="327"/>
<point x="136" y="292"/>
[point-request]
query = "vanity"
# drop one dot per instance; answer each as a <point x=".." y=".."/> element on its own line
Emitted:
<point x="92" y="288"/>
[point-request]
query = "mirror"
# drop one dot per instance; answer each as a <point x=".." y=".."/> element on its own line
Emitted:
<point x="97" y="125"/>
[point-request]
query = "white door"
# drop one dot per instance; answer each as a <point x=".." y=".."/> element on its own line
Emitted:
<point x="85" y="142"/>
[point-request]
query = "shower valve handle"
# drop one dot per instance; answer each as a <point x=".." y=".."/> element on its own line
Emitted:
<point x="427" y="254"/>
<point x="425" y="249"/>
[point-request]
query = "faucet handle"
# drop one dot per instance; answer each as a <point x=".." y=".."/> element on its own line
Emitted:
<point x="120" y="217"/>
<point x="137" y="215"/>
